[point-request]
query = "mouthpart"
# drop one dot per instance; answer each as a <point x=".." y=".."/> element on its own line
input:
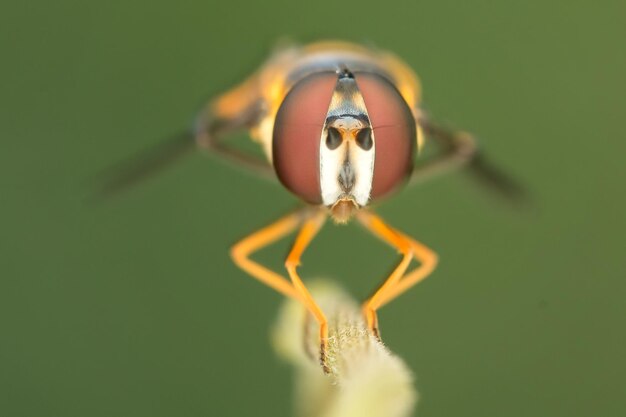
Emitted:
<point x="343" y="210"/>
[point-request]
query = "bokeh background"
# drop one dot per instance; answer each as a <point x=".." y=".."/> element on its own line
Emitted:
<point x="133" y="308"/>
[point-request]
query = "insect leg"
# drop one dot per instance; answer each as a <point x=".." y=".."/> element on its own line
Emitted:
<point x="397" y="282"/>
<point x="456" y="149"/>
<point x="236" y="110"/>
<point x="308" y="231"/>
<point x="375" y="225"/>
<point x="242" y="251"/>
<point x="428" y="261"/>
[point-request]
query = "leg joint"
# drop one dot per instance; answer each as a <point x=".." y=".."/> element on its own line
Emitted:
<point x="239" y="251"/>
<point x="292" y="264"/>
<point x="404" y="248"/>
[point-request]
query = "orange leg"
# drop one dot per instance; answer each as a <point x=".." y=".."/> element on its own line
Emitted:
<point x="308" y="231"/>
<point x="241" y="252"/>
<point x="397" y="282"/>
<point x="428" y="262"/>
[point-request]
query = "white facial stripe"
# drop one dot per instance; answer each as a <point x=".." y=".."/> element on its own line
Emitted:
<point x="361" y="165"/>
<point x="330" y="164"/>
<point x="347" y="170"/>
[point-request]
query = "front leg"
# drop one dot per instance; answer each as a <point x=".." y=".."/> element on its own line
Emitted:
<point x="397" y="282"/>
<point x="311" y="221"/>
<point x="309" y="229"/>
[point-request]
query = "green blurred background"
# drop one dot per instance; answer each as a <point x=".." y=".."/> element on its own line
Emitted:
<point x="133" y="308"/>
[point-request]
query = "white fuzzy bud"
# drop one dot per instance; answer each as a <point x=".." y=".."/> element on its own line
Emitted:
<point x="365" y="379"/>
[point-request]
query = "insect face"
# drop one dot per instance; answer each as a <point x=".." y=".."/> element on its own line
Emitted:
<point x="342" y="139"/>
<point x="347" y="151"/>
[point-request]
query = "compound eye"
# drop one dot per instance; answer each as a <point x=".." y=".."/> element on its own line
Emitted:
<point x="297" y="133"/>
<point x="394" y="132"/>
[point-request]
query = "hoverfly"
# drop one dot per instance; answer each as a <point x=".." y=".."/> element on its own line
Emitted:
<point x="340" y="125"/>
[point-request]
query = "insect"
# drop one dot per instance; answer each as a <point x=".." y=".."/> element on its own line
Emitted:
<point x="339" y="125"/>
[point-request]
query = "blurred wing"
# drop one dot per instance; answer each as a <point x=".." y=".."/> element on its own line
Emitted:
<point x="498" y="181"/>
<point x="459" y="150"/>
<point x="143" y="165"/>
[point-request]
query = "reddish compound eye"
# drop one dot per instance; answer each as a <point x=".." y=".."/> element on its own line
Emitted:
<point x="394" y="132"/>
<point x="297" y="133"/>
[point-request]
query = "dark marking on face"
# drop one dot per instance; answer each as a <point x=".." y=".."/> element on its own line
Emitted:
<point x="364" y="139"/>
<point x="345" y="73"/>
<point x="346" y="176"/>
<point x="360" y="116"/>
<point x="333" y="138"/>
